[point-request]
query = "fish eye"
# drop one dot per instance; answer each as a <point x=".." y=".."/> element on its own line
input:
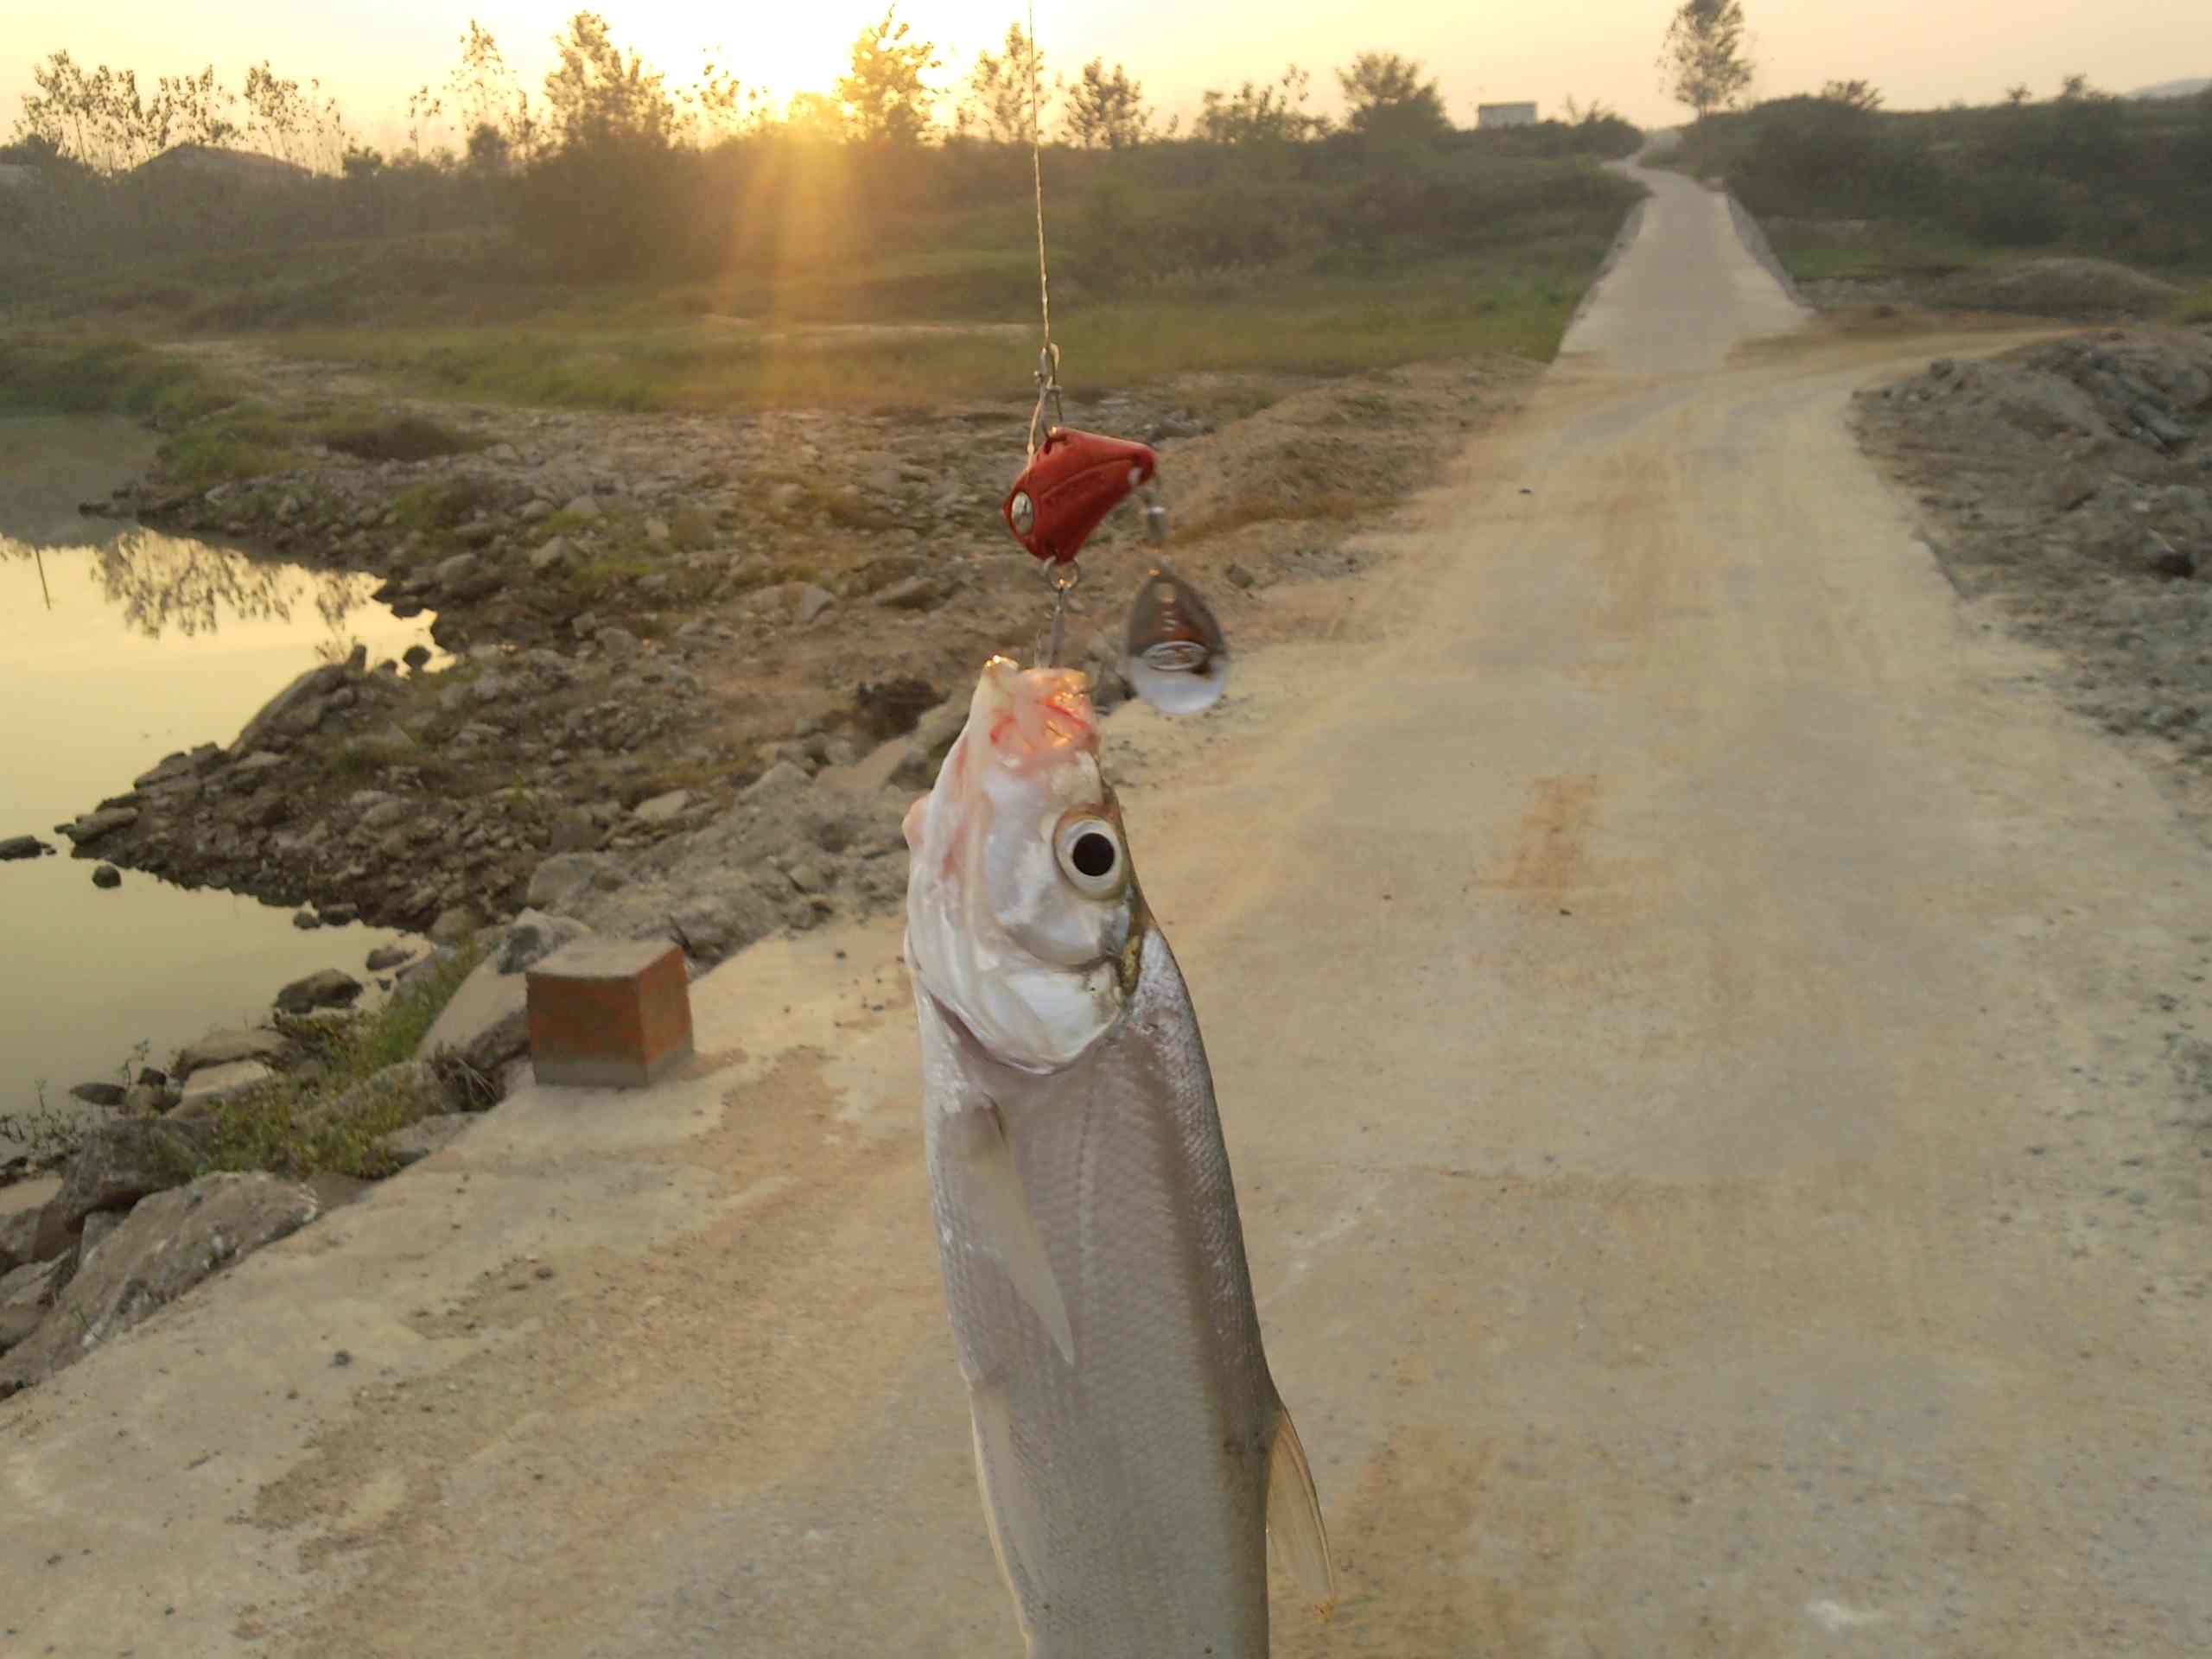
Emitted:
<point x="1089" y="851"/>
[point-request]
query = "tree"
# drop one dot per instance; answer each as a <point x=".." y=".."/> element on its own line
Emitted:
<point x="886" y="100"/>
<point x="1852" y="94"/>
<point x="999" y="90"/>
<point x="2016" y="96"/>
<point x="1272" y="114"/>
<point x="1704" y="57"/>
<point x="1387" y="99"/>
<point x="596" y="98"/>
<point x="1105" y="109"/>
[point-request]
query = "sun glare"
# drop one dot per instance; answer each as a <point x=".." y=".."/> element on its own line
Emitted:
<point x="788" y="49"/>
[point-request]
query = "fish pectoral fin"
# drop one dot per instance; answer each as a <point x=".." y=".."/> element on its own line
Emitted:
<point x="1294" y="1515"/>
<point x="1001" y="1208"/>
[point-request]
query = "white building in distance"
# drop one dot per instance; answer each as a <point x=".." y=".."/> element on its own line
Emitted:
<point x="1504" y="115"/>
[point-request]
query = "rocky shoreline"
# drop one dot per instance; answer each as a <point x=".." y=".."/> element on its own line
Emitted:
<point x="657" y="621"/>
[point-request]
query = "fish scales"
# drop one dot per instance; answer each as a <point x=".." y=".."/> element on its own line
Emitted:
<point x="1131" y="1448"/>
<point x="1166" y="1414"/>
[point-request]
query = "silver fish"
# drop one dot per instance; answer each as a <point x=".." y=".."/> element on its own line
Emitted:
<point x="1176" y="655"/>
<point x="1133" y="1452"/>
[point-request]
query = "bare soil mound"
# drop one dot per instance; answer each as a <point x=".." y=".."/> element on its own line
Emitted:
<point x="2071" y="482"/>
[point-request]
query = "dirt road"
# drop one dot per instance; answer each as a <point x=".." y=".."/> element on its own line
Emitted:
<point x="1706" y="1057"/>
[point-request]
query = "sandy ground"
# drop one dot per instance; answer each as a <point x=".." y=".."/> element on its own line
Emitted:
<point x="1702" y="1045"/>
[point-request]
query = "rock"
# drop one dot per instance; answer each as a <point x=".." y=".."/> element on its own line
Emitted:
<point x="812" y="602"/>
<point x="1239" y="576"/>
<point x="575" y="830"/>
<point x="210" y="1086"/>
<point x="532" y="937"/>
<point x="915" y="594"/>
<point x="455" y="571"/>
<point x="31" y="1285"/>
<point x="386" y="814"/>
<point x="97" y="1226"/>
<point x="485" y="1023"/>
<point x="782" y="779"/>
<point x="478" y="535"/>
<point x="115" y="1165"/>
<point x="22" y="847"/>
<point x="618" y="642"/>
<point x="169" y="1243"/>
<point x="328" y="988"/>
<point x="99" y="1094"/>
<point x="306" y="918"/>
<point x="257" y="764"/>
<point x="583" y="507"/>
<point x="551" y="556"/>
<point x="148" y="1099"/>
<point x="662" y="809"/>
<point x="93" y="825"/>
<point x="561" y="879"/>
<point x="340" y="915"/>
<point x="18" y="1231"/>
<point x="289" y="707"/>
<point x="402" y="1092"/>
<point x="2161" y="558"/>
<point x="416" y="655"/>
<point x="453" y="926"/>
<point x="389" y="956"/>
<point x="107" y="875"/>
<point x="534" y="510"/>
<point x="934" y="736"/>
<point x="656" y="531"/>
<point x="427" y="1135"/>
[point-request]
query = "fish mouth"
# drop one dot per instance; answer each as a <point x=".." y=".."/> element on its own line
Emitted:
<point x="1032" y="717"/>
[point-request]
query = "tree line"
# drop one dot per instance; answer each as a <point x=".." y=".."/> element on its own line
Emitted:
<point x="600" y="93"/>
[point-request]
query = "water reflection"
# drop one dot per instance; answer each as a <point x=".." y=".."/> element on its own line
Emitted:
<point x="159" y="582"/>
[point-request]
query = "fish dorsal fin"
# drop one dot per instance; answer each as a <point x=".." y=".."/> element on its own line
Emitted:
<point x="1002" y="1207"/>
<point x="1294" y="1515"/>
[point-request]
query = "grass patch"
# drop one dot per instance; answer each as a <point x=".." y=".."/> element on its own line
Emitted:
<point x="291" y="1128"/>
<point x="398" y="437"/>
<point x="1346" y="322"/>
<point x="442" y="504"/>
<point x="72" y="375"/>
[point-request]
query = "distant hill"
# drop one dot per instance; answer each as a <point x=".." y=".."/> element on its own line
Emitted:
<point x="2174" y="88"/>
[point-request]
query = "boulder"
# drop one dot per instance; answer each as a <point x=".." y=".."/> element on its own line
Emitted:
<point x="549" y="556"/>
<point x="576" y="830"/>
<point x="934" y="736"/>
<point x="93" y="825"/>
<point x="561" y="879"/>
<point x="662" y="809"/>
<point x="171" y="1243"/>
<point x="386" y="956"/>
<point x="425" y="1135"/>
<point x="18" y="1232"/>
<point x="582" y="506"/>
<point x="99" y="1094"/>
<point x="22" y="847"/>
<point x="223" y="1047"/>
<point x="289" y="710"/>
<point x="209" y="1086"/>
<point x="812" y="602"/>
<point x="327" y="989"/>
<point x="453" y="926"/>
<point x="487" y="1021"/>
<point x="784" y="779"/>
<point x="406" y="1089"/>
<point x="115" y="1165"/>
<point x="532" y="937"/>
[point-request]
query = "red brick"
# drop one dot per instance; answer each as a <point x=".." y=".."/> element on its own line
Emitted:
<point x="609" y="1013"/>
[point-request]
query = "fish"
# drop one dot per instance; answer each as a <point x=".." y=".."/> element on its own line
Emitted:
<point x="1177" y="656"/>
<point x="1133" y="1453"/>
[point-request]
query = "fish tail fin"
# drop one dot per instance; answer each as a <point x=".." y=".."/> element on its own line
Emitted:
<point x="1294" y="1515"/>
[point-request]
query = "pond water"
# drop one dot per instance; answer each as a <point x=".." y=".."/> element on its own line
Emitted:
<point x="119" y="646"/>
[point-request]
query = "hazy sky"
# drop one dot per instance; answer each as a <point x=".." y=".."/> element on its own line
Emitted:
<point x="1920" y="52"/>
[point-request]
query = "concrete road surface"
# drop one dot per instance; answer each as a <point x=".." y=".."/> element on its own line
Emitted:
<point x="1703" y="1040"/>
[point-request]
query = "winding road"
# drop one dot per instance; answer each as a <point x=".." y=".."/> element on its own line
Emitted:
<point x="1703" y="1040"/>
